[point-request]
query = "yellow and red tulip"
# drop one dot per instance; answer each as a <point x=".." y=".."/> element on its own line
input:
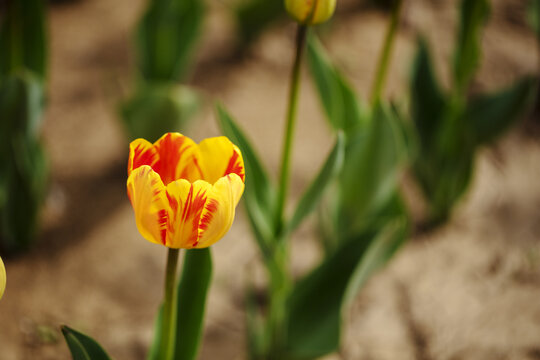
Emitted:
<point x="184" y="194"/>
<point x="2" y="278"/>
<point x="310" y="12"/>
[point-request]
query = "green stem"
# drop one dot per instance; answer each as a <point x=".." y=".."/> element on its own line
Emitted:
<point x="279" y="292"/>
<point x="382" y="67"/>
<point x="290" y="125"/>
<point x="167" y="334"/>
<point x="278" y="265"/>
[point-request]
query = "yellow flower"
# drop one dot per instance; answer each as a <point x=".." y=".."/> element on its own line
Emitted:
<point x="2" y="278"/>
<point x="184" y="195"/>
<point x="310" y="12"/>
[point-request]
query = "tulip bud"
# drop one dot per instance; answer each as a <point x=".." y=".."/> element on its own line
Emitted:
<point x="310" y="12"/>
<point x="2" y="278"/>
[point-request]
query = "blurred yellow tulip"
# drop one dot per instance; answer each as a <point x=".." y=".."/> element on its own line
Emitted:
<point x="310" y="12"/>
<point x="2" y="278"/>
<point x="184" y="194"/>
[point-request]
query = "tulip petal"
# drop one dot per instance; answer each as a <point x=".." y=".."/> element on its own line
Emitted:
<point x="219" y="210"/>
<point x="141" y="152"/>
<point x="186" y="204"/>
<point x="147" y="195"/>
<point x="177" y="158"/>
<point x="2" y="278"/>
<point x="220" y="157"/>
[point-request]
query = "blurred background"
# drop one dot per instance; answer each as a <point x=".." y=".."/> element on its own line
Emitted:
<point x="466" y="290"/>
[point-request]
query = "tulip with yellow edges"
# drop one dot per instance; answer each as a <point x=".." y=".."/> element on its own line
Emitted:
<point x="2" y="278"/>
<point x="310" y="12"/>
<point x="184" y="194"/>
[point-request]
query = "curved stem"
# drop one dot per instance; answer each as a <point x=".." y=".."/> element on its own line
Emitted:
<point x="290" y="125"/>
<point x="167" y="334"/>
<point x="382" y="67"/>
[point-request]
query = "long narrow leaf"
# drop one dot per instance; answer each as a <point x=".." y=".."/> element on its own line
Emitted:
<point x="339" y="100"/>
<point x="153" y="354"/>
<point x="473" y="15"/>
<point x="83" y="347"/>
<point x="370" y="178"/>
<point x="259" y="194"/>
<point x="192" y="292"/>
<point x="381" y="249"/>
<point x="314" y="323"/>
<point x="489" y="115"/>
<point x="314" y="192"/>
<point x="427" y="99"/>
<point x="23" y="37"/>
<point x="166" y="37"/>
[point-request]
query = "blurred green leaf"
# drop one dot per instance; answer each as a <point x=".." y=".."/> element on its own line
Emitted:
<point x="23" y="166"/>
<point x="491" y="114"/>
<point x="255" y="330"/>
<point x="427" y="100"/>
<point x="83" y="347"/>
<point x="253" y="16"/>
<point x="156" y="109"/>
<point x="395" y="222"/>
<point x="533" y="16"/>
<point x="22" y="37"/>
<point x="153" y="353"/>
<point x="192" y="292"/>
<point x="374" y="157"/>
<point x="473" y="16"/>
<point x="311" y="197"/>
<point x="259" y="195"/>
<point x="166" y="36"/>
<point x="339" y="100"/>
<point x="316" y="304"/>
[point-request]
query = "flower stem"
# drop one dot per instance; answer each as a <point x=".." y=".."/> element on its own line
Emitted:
<point x="382" y="67"/>
<point x="167" y="333"/>
<point x="290" y="125"/>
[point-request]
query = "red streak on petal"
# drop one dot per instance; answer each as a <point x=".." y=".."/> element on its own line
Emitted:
<point x="235" y="166"/>
<point x="211" y="207"/>
<point x="170" y="150"/>
<point x="142" y="156"/>
<point x="162" y="221"/>
<point x="192" y="213"/>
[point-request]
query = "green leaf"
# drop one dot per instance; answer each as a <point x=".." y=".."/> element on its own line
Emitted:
<point x="316" y="304"/>
<point x="339" y="100"/>
<point x="83" y="347"/>
<point x="192" y="292"/>
<point x="23" y="38"/>
<point x="311" y="197"/>
<point x="259" y="195"/>
<point x="166" y="36"/>
<point x="255" y="325"/>
<point x="427" y="100"/>
<point x="23" y="166"/>
<point x="153" y="354"/>
<point x="373" y="159"/>
<point x="533" y="16"/>
<point x="253" y="16"/>
<point x="155" y="109"/>
<point x="473" y="16"/>
<point x="396" y="223"/>
<point x="491" y="114"/>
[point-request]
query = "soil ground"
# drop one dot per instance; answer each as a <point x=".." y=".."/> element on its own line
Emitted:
<point x="470" y="290"/>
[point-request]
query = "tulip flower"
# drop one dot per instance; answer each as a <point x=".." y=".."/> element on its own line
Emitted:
<point x="184" y="194"/>
<point x="2" y="278"/>
<point x="310" y="12"/>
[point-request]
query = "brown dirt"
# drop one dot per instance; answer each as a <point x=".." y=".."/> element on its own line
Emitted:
<point x="467" y="291"/>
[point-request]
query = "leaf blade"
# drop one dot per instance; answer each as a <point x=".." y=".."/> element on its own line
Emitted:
<point x="83" y="347"/>
<point x="313" y="193"/>
<point x="192" y="293"/>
